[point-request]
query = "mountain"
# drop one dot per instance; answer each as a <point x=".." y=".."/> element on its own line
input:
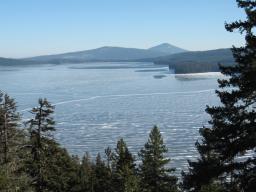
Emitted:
<point x="167" y="48"/>
<point x="109" y="54"/>
<point x="197" y="61"/>
<point x="12" y="62"/>
<point x="182" y="62"/>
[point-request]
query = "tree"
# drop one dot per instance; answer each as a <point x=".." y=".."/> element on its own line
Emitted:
<point x="49" y="165"/>
<point x="154" y="176"/>
<point x="124" y="172"/>
<point x="61" y="169"/>
<point x="226" y="146"/>
<point x="211" y="188"/>
<point x="9" y="119"/>
<point x="40" y="128"/>
<point x="12" y="138"/>
<point x="86" y="174"/>
<point x="102" y="176"/>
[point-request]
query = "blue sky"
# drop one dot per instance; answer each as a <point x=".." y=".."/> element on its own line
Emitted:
<point x="37" y="27"/>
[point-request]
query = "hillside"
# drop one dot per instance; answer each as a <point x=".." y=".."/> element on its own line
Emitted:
<point x="167" y="48"/>
<point x="197" y="61"/>
<point x="109" y="54"/>
<point x="13" y="62"/>
<point x="182" y="62"/>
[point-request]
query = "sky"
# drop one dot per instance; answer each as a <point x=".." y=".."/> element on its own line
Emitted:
<point x="38" y="27"/>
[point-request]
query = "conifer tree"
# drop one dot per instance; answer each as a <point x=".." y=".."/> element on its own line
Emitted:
<point x="60" y="173"/>
<point x="109" y="155"/>
<point x="124" y="172"/>
<point x="226" y="145"/>
<point x="86" y="174"/>
<point x="49" y="165"/>
<point x="154" y="176"/>
<point x="12" y="139"/>
<point x="40" y="128"/>
<point x="102" y="176"/>
<point x="9" y="119"/>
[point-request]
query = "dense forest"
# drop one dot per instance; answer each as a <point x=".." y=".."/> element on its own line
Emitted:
<point x="32" y="160"/>
<point x="14" y="62"/>
<point x="197" y="61"/>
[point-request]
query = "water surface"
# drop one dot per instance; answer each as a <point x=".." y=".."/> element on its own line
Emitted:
<point x="98" y="103"/>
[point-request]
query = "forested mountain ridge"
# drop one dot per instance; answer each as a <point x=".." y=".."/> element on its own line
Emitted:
<point x="182" y="62"/>
<point x="13" y="62"/>
<point x="109" y="53"/>
<point x="197" y="61"/>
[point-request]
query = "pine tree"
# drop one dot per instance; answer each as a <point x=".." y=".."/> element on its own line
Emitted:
<point x="124" y="172"/>
<point x="225" y="146"/>
<point x="12" y="139"/>
<point x="40" y="128"/>
<point x="154" y="176"/>
<point x="109" y="155"/>
<point x="9" y="119"/>
<point x="212" y="188"/>
<point x="49" y="165"/>
<point x="102" y="176"/>
<point x="60" y="173"/>
<point x="86" y="174"/>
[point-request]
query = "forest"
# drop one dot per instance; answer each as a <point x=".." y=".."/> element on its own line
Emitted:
<point x="32" y="160"/>
<point x="197" y="61"/>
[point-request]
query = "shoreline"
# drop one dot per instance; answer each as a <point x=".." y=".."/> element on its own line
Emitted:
<point x="199" y="75"/>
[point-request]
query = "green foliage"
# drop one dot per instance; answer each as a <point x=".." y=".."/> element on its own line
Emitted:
<point x="197" y="61"/>
<point x="86" y="174"/>
<point x="9" y="120"/>
<point x="212" y="188"/>
<point x="233" y="134"/>
<point x="103" y="176"/>
<point x="12" y="139"/>
<point x="51" y="167"/>
<point x="154" y="176"/>
<point x="124" y="173"/>
<point x="3" y="180"/>
<point x="40" y="144"/>
<point x="59" y="174"/>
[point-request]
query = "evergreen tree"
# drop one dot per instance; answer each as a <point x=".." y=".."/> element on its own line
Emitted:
<point x="9" y="120"/>
<point x="49" y="165"/>
<point x="225" y="146"/>
<point x="154" y="176"/>
<point x="12" y="175"/>
<point x="40" y="128"/>
<point x="212" y="188"/>
<point x="102" y="176"/>
<point x="86" y="174"/>
<point x="124" y="172"/>
<point x="109" y="155"/>
<point x="60" y="173"/>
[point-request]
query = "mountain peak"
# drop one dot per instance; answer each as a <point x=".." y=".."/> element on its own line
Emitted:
<point x="167" y="48"/>
<point x="164" y="45"/>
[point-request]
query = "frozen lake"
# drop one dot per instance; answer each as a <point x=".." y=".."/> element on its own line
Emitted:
<point x="97" y="103"/>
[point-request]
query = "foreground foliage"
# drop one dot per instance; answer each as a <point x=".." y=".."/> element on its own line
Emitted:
<point x="227" y="150"/>
<point x="31" y="159"/>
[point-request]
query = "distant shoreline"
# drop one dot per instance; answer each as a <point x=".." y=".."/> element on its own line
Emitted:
<point x="199" y="75"/>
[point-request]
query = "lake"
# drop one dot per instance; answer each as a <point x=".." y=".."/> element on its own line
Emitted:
<point x="98" y="103"/>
